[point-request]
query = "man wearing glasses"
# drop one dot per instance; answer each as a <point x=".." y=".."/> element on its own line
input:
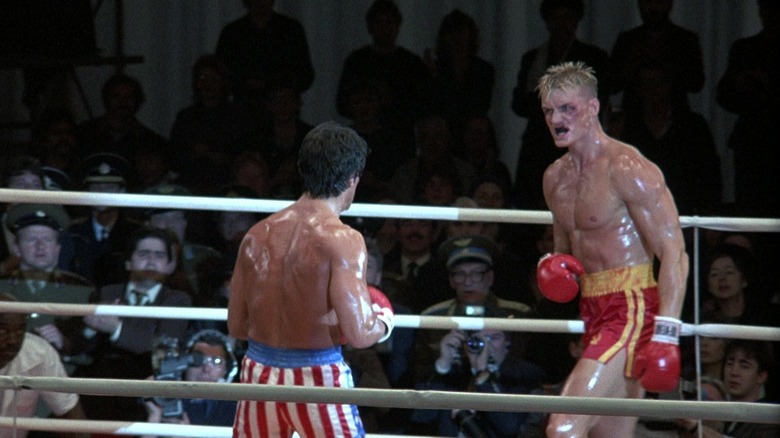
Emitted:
<point x="483" y="361"/>
<point x="212" y="359"/>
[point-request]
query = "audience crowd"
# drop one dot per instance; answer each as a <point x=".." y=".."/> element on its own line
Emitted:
<point x="426" y="120"/>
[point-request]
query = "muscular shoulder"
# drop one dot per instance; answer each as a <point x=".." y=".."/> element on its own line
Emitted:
<point x="634" y="176"/>
<point x="557" y="172"/>
<point x="337" y="238"/>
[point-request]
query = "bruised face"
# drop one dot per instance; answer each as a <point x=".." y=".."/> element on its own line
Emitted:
<point x="570" y="115"/>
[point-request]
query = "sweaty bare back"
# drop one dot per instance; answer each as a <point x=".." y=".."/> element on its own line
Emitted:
<point x="300" y="280"/>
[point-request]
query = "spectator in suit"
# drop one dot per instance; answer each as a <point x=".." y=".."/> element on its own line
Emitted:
<point x="262" y="46"/>
<point x="121" y="347"/>
<point x="208" y="135"/>
<point x="406" y="262"/>
<point x="105" y="229"/>
<point x="462" y="82"/>
<point x="537" y="150"/>
<point x="675" y="138"/>
<point x="747" y="368"/>
<point x="118" y="131"/>
<point x="403" y="79"/>
<point x="657" y="40"/>
<point x="749" y="88"/>
<point x="433" y="139"/>
<point x="191" y="257"/>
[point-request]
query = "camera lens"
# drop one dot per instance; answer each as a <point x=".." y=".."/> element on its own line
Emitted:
<point x="475" y="344"/>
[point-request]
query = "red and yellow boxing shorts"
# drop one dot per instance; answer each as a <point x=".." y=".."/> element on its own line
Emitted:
<point x="617" y="307"/>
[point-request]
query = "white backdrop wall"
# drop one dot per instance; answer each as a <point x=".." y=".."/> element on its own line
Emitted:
<point x="172" y="34"/>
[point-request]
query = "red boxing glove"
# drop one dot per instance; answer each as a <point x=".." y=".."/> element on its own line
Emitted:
<point x="557" y="276"/>
<point x="383" y="309"/>
<point x="657" y="366"/>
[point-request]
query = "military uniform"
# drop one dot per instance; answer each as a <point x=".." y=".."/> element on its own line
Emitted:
<point x="61" y="287"/>
<point x="37" y="285"/>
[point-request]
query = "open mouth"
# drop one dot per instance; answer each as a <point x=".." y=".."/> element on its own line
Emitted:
<point x="561" y="131"/>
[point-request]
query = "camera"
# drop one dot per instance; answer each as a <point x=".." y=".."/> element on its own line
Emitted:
<point x="169" y="364"/>
<point x="475" y="344"/>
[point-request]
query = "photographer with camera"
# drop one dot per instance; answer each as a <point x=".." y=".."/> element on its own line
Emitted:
<point x="475" y="362"/>
<point x="208" y="357"/>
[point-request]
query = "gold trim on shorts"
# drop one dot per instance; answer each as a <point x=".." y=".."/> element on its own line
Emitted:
<point x="602" y="283"/>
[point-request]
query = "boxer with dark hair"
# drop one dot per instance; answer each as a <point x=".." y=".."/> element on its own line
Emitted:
<point x="613" y="215"/>
<point x="299" y="291"/>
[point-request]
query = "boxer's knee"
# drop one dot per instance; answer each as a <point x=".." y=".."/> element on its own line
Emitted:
<point x="566" y="426"/>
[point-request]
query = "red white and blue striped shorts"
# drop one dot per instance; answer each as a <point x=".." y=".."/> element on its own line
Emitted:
<point x="266" y="365"/>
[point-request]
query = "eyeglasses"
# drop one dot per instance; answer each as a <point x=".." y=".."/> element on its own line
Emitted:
<point x="473" y="276"/>
<point x="213" y="361"/>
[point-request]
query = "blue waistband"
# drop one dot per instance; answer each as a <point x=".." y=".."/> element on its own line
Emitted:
<point x="292" y="358"/>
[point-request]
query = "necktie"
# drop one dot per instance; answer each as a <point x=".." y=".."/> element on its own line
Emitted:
<point x="103" y="234"/>
<point x="141" y="298"/>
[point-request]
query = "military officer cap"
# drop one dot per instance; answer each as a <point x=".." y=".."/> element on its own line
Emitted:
<point x="104" y="167"/>
<point x="55" y="179"/>
<point x="24" y="215"/>
<point x="475" y="248"/>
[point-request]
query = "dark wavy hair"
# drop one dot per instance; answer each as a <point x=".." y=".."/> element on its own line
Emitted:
<point x="164" y="236"/>
<point x="330" y="155"/>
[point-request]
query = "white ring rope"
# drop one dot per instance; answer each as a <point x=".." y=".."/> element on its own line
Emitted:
<point x="365" y="210"/>
<point x="406" y="321"/>
<point x="406" y="399"/>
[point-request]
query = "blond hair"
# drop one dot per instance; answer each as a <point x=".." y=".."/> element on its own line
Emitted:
<point x="569" y="76"/>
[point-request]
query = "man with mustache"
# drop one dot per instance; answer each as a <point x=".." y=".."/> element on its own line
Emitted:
<point x="122" y="347"/>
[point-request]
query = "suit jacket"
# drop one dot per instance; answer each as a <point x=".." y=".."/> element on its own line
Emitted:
<point x="136" y="337"/>
<point x="89" y="258"/>
<point x="129" y="357"/>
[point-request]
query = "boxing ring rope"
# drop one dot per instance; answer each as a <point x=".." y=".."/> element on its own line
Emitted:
<point x="730" y="411"/>
<point x="405" y="321"/>
<point x="404" y="399"/>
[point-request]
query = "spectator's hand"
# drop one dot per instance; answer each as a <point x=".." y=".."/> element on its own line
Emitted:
<point x="52" y="334"/>
<point x="102" y="323"/>
<point x="153" y="411"/>
<point x="449" y="348"/>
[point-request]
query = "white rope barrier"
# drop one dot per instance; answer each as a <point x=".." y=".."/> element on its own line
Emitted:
<point x="365" y="210"/>
<point x="406" y="321"/>
<point x="406" y="399"/>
